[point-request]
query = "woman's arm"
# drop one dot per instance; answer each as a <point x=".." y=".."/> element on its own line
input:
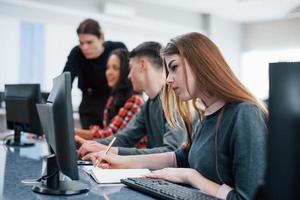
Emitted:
<point x="85" y="134"/>
<point x="248" y="147"/>
<point x="196" y="180"/>
<point x="248" y="150"/>
<point x="151" y="161"/>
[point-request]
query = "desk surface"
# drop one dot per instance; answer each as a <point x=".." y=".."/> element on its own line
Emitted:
<point x="17" y="164"/>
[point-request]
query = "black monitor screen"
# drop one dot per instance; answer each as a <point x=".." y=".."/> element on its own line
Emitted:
<point x="21" y="112"/>
<point x="20" y="100"/>
<point x="1" y="99"/>
<point x="57" y="121"/>
<point x="62" y="139"/>
<point x="283" y="172"/>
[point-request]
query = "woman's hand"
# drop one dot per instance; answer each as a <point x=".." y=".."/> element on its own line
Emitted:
<point x="79" y="140"/>
<point x="86" y="134"/>
<point x="186" y="176"/>
<point x="176" y="175"/>
<point x="108" y="161"/>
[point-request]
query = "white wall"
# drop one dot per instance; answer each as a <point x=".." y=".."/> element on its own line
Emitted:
<point x="268" y="42"/>
<point x="228" y="36"/>
<point x="273" y="35"/>
<point x="60" y="39"/>
<point x="9" y="51"/>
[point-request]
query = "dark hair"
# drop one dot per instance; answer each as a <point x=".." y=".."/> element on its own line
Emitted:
<point x="89" y="26"/>
<point x="151" y="50"/>
<point x="123" y="89"/>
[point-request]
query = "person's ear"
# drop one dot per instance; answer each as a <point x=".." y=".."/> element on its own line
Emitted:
<point x="144" y="64"/>
<point x="102" y="37"/>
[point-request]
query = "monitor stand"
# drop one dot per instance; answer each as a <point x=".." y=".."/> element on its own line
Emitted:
<point x="51" y="185"/>
<point x="16" y="141"/>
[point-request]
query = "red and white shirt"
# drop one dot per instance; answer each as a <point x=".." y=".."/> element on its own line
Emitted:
<point x="120" y="121"/>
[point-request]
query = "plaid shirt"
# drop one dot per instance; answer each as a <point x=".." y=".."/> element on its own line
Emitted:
<point x="120" y="121"/>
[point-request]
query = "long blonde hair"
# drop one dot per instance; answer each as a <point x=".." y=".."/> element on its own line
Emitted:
<point x="212" y="74"/>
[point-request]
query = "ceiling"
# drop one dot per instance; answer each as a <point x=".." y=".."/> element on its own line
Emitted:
<point x="237" y="10"/>
<point x="244" y="11"/>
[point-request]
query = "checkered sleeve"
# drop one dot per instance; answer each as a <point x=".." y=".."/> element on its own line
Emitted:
<point x="120" y="121"/>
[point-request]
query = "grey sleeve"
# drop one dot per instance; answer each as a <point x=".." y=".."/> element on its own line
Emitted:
<point x="182" y="154"/>
<point x="172" y="139"/>
<point x="182" y="158"/>
<point x="248" y="150"/>
<point x="131" y="134"/>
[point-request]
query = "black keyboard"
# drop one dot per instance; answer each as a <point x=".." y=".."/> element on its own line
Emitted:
<point x="165" y="190"/>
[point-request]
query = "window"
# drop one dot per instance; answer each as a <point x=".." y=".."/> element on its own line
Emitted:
<point x="31" y="53"/>
<point x="255" y="68"/>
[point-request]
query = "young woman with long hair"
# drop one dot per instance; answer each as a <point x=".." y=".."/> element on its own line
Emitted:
<point x="224" y="155"/>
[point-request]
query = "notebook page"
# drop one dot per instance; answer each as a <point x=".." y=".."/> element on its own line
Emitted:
<point x="103" y="176"/>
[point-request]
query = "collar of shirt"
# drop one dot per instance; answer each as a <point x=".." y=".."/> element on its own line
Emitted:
<point x="214" y="107"/>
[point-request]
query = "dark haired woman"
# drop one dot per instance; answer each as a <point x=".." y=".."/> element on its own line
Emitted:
<point x="122" y="104"/>
<point x="87" y="61"/>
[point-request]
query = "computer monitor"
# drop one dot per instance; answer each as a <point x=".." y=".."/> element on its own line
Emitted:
<point x="21" y="113"/>
<point x="1" y="99"/>
<point x="58" y="124"/>
<point x="283" y="172"/>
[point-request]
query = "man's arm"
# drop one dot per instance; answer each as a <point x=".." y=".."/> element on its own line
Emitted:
<point x="125" y="114"/>
<point x="128" y="137"/>
<point x="131" y="134"/>
<point x="172" y="139"/>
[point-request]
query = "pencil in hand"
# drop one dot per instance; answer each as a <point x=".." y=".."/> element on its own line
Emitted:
<point x="106" y="151"/>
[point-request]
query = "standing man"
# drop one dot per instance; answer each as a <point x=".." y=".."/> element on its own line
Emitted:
<point x="87" y="61"/>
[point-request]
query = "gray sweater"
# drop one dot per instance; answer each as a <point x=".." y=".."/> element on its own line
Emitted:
<point x="241" y="149"/>
<point x="149" y="121"/>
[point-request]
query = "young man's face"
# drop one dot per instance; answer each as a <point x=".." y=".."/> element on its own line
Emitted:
<point x="90" y="45"/>
<point x="135" y="74"/>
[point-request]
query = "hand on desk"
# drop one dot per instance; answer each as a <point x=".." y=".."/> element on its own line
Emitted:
<point x="79" y="140"/>
<point x="186" y="176"/>
<point x="108" y="160"/>
<point x="175" y="175"/>
<point x="88" y="146"/>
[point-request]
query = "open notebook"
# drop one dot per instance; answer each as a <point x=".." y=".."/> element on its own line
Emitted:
<point x="104" y="176"/>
